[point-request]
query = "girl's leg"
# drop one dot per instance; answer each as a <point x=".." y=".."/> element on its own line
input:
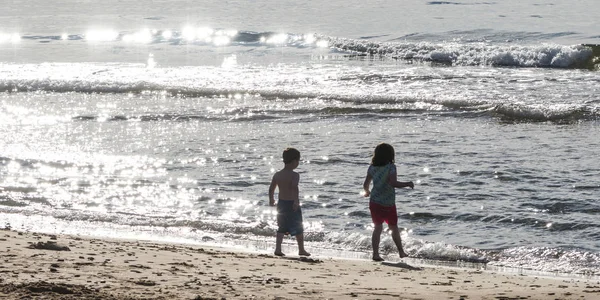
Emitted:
<point x="397" y="240"/>
<point x="278" y="242"/>
<point x="300" y="240"/>
<point x="375" y="241"/>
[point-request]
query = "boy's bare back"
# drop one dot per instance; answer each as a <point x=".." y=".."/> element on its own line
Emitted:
<point x="287" y="182"/>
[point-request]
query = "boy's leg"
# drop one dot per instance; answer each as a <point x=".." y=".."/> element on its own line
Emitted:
<point x="278" y="242"/>
<point x="300" y="240"/>
<point x="375" y="241"/>
<point x="397" y="240"/>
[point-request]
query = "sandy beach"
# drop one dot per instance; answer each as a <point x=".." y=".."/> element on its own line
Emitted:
<point x="41" y="266"/>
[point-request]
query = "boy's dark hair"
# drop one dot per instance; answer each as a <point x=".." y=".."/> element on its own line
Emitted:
<point x="290" y="154"/>
<point x="383" y="155"/>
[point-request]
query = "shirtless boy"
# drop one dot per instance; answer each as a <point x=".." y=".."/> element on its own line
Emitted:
<point x="289" y="214"/>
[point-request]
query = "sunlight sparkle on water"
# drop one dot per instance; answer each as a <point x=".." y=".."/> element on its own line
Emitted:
<point x="167" y="34"/>
<point x="230" y="33"/>
<point x="151" y="63"/>
<point x="188" y="33"/>
<point x="12" y="38"/>
<point x="221" y="40"/>
<point x="204" y="32"/>
<point x="101" y="35"/>
<point x="208" y="35"/>
<point x="277" y="39"/>
<point x="316" y="226"/>
<point x="309" y="38"/>
<point x="13" y="167"/>
<point x="322" y="44"/>
<point x="143" y="36"/>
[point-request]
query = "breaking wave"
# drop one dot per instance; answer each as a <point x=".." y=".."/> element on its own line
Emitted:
<point x="476" y="54"/>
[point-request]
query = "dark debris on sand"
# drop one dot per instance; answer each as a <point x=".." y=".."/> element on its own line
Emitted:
<point x="49" y="245"/>
<point x="54" y="291"/>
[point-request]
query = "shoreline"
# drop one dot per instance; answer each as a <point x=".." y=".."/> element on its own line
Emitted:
<point x="74" y="267"/>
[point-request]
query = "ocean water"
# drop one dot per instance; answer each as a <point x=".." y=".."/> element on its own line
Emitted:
<point x="165" y="120"/>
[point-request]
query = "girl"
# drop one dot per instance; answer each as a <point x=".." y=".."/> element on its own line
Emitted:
<point x="382" y="204"/>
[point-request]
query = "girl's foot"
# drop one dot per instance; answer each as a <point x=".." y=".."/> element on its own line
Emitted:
<point x="378" y="258"/>
<point x="303" y="253"/>
<point x="279" y="253"/>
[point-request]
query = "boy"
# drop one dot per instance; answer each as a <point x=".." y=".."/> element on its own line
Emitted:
<point x="289" y="214"/>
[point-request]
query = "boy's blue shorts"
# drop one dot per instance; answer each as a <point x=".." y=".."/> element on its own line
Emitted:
<point x="288" y="220"/>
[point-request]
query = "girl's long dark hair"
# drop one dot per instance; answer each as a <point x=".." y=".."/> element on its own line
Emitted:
<point x="384" y="154"/>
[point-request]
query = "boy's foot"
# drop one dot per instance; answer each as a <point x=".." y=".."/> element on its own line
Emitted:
<point x="378" y="258"/>
<point x="403" y="254"/>
<point x="279" y="253"/>
<point x="303" y="253"/>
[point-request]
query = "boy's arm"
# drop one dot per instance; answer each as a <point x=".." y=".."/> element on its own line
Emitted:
<point x="393" y="181"/>
<point x="272" y="191"/>
<point x="366" y="185"/>
<point x="295" y="183"/>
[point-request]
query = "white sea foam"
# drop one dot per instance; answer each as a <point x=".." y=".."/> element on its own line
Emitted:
<point x="555" y="56"/>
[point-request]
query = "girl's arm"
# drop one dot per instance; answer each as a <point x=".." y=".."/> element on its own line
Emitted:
<point x="366" y="185"/>
<point x="393" y="180"/>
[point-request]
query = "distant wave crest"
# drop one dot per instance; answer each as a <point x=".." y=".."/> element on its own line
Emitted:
<point x="565" y="113"/>
<point x="462" y="48"/>
<point x="451" y="53"/>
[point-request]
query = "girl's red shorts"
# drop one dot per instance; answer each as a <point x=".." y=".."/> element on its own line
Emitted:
<point x="380" y="214"/>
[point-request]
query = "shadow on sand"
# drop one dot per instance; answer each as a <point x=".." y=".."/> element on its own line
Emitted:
<point x="401" y="265"/>
<point x="303" y="259"/>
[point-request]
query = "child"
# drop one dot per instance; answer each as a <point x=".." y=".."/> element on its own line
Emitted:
<point x="289" y="214"/>
<point x="382" y="204"/>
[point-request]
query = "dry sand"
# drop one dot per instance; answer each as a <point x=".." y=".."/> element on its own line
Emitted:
<point x="39" y="266"/>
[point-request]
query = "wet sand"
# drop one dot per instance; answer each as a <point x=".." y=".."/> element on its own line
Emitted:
<point x="40" y="266"/>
